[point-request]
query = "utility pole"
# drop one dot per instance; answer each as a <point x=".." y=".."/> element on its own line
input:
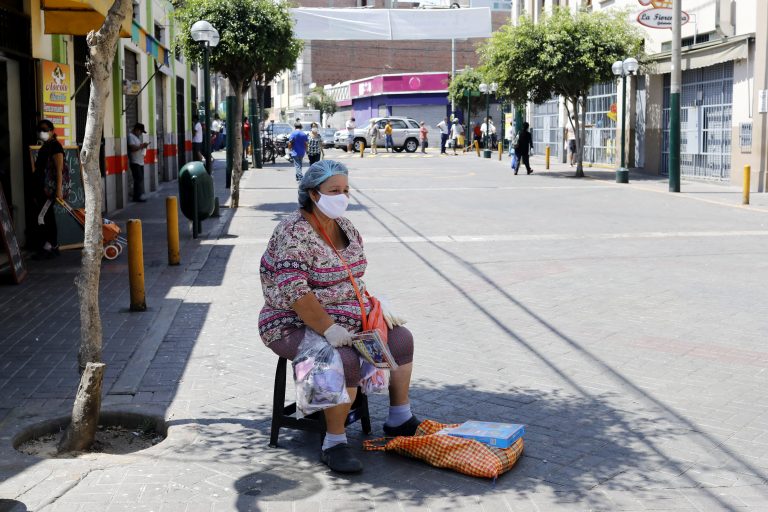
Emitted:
<point x="453" y="72"/>
<point x="674" y="101"/>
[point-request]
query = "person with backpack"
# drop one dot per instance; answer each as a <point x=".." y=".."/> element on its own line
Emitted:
<point x="51" y="183"/>
<point x="522" y="144"/>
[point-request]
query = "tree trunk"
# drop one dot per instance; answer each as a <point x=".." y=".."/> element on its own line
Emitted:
<point x="85" y="413"/>
<point x="237" y="148"/>
<point x="101" y="52"/>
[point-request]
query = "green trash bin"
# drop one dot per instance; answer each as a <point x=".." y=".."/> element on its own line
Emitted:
<point x="196" y="196"/>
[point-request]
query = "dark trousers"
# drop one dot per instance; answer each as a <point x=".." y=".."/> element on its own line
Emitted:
<point x="523" y="158"/>
<point x="137" y="171"/>
<point x="443" y="140"/>
<point x="313" y="158"/>
<point x="197" y="151"/>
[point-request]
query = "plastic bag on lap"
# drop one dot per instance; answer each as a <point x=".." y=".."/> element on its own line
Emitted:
<point x="318" y="372"/>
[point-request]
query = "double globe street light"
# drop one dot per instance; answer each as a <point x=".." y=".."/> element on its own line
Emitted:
<point x="488" y="89"/>
<point x="623" y="69"/>
<point x="204" y="33"/>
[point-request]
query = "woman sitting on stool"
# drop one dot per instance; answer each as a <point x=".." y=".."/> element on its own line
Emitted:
<point x="306" y="285"/>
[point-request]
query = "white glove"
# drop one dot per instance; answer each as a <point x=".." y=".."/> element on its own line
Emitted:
<point x="338" y="336"/>
<point x="390" y="317"/>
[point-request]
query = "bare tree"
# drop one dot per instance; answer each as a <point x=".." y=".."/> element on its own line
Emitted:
<point x="87" y="407"/>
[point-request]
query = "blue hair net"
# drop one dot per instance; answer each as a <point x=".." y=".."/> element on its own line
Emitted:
<point x="317" y="174"/>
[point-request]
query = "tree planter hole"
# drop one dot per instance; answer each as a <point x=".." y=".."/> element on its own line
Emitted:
<point x="119" y="433"/>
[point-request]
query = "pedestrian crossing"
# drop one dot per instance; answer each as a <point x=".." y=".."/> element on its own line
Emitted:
<point x="380" y="154"/>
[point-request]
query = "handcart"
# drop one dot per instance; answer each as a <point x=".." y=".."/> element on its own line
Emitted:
<point x="113" y="242"/>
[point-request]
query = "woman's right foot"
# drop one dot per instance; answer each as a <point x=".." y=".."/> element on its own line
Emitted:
<point x="341" y="459"/>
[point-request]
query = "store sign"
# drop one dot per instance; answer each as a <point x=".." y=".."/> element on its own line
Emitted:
<point x="57" y="88"/>
<point x="660" y="18"/>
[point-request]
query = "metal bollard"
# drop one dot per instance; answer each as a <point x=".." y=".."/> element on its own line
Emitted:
<point x="501" y="150"/>
<point x="172" y="221"/>
<point x="747" y="177"/>
<point x="547" y="152"/>
<point x="362" y="150"/>
<point x="136" y="266"/>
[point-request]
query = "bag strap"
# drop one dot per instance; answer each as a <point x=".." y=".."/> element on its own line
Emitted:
<point x="376" y="445"/>
<point x="363" y="314"/>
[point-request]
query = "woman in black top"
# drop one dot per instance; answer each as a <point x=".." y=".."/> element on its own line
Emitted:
<point x="524" y="144"/>
<point x="49" y="167"/>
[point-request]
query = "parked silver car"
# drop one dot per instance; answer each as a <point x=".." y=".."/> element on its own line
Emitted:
<point x="405" y="135"/>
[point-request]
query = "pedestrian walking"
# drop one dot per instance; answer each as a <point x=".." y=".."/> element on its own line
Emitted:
<point x="492" y="133"/>
<point x="246" y="137"/>
<point x="297" y="144"/>
<point x="570" y="140"/>
<point x="136" y="152"/>
<point x="306" y="291"/>
<point x="314" y="144"/>
<point x="457" y="134"/>
<point x="350" y="126"/>
<point x="222" y="139"/>
<point x="388" y="142"/>
<point x="197" y="139"/>
<point x="373" y="135"/>
<point x="444" y="134"/>
<point x="49" y="185"/>
<point x="522" y="144"/>
<point x="477" y="131"/>
<point x="423" y="132"/>
<point x="215" y="129"/>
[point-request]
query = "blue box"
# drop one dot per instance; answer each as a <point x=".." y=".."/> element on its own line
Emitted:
<point x="498" y="435"/>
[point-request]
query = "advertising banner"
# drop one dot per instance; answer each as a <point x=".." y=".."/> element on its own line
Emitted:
<point x="57" y="88"/>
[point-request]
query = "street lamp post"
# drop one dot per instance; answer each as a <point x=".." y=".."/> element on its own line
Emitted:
<point x="204" y="33"/>
<point x="487" y="89"/>
<point x="623" y="69"/>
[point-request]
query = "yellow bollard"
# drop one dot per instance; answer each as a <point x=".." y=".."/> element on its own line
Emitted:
<point x="547" y="152"/>
<point x="747" y="176"/>
<point x="501" y="150"/>
<point x="477" y="148"/>
<point x="362" y="150"/>
<point x="136" y="266"/>
<point x="172" y="220"/>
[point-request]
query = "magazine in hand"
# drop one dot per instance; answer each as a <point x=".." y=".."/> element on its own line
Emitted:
<point x="373" y="349"/>
<point x="498" y="435"/>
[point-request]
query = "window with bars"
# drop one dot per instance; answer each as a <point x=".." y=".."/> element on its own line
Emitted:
<point x="706" y="100"/>
<point x="600" y="133"/>
<point x="546" y="127"/>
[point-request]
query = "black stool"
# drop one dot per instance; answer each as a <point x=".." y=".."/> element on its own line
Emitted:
<point x="284" y="415"/>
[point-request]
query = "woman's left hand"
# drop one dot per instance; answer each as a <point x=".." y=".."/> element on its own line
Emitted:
<point x="390" y="316"/>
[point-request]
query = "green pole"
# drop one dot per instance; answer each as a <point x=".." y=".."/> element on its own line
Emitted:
<point x="207" y="109"/>
<point x="486" y="149"/>
<point x="622" y="173"/>
<point x="254" y="120"/>
<point x="231" y="128"/>
<point x="674" y="102"/>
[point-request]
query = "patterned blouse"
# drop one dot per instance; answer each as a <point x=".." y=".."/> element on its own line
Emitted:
<point x="314" y="145"/>
<point x="298" y="261"/>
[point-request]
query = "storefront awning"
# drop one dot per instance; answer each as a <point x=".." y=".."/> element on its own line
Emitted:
<point x="703" y="55"/>
<point x="151" y="46"/>
<point x="390" y="24"/>
<point x="78" y="17"/>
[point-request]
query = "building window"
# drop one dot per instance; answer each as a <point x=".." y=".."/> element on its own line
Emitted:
<point x="159" y="33"/>
<point x="136" y="13"/>
<point x="281" y="87"/>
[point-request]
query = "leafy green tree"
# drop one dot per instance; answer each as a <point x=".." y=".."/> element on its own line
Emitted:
<point x="320" y="100"/>
<point x="256" y="43"/>
<point x="564" y="54"/>
<point x="467" y="82"/>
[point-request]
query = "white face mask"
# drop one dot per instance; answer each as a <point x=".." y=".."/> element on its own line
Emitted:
<point x="333" y="206"/>
<point x="44" y="136"/>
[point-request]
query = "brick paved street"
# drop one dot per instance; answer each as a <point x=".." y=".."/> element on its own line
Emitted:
<point x="625" y="326"/>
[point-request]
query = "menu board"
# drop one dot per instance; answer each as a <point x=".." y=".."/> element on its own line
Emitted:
<point x="57" y="88"/>
<point x="10" y="242"/>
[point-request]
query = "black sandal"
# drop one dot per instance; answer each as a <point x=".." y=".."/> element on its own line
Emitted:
<point x="340" y="459"/>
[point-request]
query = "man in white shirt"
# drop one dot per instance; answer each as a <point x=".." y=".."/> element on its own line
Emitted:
<point x="197" y="139"/>
<point x="444" y="134"/>
<point x="457" y="135"/>
<point x="350" y="126"/>
<point x="215" y="129"/>
<point x="136" y="151"/>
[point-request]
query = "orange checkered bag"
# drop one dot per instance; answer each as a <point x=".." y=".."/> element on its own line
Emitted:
<point x="443" y="451"/>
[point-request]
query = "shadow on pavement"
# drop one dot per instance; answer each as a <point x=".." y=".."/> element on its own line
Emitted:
<point x="708" y="442"/>
<point x="12" y="506"/>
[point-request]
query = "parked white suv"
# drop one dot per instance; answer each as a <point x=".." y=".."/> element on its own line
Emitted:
<point x="405" y="134"/>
